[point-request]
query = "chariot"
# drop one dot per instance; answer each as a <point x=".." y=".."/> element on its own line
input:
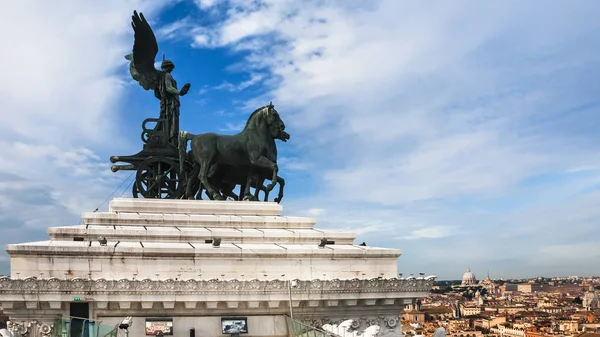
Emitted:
<point x="216" y="164"/>
<point x="160" y="172"/>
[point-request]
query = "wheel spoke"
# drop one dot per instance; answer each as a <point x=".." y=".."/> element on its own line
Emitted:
<point x="158" y="178"/>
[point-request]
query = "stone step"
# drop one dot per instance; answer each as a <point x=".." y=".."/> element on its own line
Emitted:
<point x="175" y="234"/>
<point x="196" y="220"/>
<point x="176" y="206"/>
<point x="207" y="254"/>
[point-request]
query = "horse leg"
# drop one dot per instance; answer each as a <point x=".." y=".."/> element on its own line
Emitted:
<point x="264" y="189"/>
<point x="231" y="194"/>
<point x="258" y="188"/>
<point x="242" y="190"/>
<point x="281" y="183"/>
<point x="199" y="191"/>
<point x="263" y="162"/>
<point x="193" y="184"/>
<point x="247" y="194"/>
<point x="209" y="189"/>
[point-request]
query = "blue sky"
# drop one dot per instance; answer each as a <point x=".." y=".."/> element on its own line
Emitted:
<point x="464" y="132"/>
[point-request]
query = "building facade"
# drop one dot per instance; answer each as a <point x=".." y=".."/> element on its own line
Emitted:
<point x="202" y="266"/>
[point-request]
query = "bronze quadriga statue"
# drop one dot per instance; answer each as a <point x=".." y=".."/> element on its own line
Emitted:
<point x="216" y="164"/>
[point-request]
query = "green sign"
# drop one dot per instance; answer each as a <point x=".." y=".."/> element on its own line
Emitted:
<point x="76" y="299"/>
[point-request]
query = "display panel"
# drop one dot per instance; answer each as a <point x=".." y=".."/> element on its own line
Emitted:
<point x="234" y="325"/>
<point x="159" y="327"/>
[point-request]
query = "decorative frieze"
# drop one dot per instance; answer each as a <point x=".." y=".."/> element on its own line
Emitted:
<point x="30" y="328"/>
<point x="125" y="286"/>
<point x="353" y="323"/>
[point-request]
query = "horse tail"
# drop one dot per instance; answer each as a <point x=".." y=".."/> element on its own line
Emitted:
<point x="184" y="136"/>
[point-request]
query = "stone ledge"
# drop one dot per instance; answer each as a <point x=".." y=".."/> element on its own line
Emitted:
<point x="36" y="286"/>
<point x="196" y="220"/>
<point x="130" y="249"/>
<point x="175" y="234"/>
<point x="133" y="205"/>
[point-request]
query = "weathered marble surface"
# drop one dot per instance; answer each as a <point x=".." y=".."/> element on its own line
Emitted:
<point x="168" y="206"/>
<point x="159" y="261"/>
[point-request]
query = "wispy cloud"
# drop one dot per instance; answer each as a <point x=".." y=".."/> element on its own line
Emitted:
<point x="294" y="164"/>
<point x="57" y="133"/>
<point x="253" y="80"/>
<point x="179" y="28"/>
<point x="233" y="127"/>
<point x="476" y="110"/>
<point x="437" y="232"/>
<point x="316" y="211"/>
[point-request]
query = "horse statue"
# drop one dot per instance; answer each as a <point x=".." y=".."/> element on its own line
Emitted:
<point x="226" y="178"/>
<point x="253" y="148"/>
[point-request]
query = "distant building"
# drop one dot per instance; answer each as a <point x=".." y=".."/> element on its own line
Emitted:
<point x="529" y="287"/>
<point x="468" y="279"/>
<point x="590" y="300"/>
<point x="488" y="323"/>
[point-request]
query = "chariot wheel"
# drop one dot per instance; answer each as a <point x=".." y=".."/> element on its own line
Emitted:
<point x="134" y="190"/>
<point x="158" y="178"/>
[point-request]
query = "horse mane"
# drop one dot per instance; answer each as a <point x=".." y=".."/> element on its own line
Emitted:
<point x="252" y="116"/>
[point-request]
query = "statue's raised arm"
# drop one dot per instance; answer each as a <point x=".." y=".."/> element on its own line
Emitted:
<point x="142" y="59"/>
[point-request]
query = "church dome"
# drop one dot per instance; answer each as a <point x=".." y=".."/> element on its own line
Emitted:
<point x="468" y="278"/>
<point x="591" y="300"/>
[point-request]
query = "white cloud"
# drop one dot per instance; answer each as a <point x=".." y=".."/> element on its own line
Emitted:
<point x="429" y="233"/>
<point x="173" y="29"/>
<point x="474" y="111"/>
<point x="61" y="92"/>
<point x="253" y="80"/>
<point x="293" y="164"/>
<point x="206" y="4"/>
<point x="316" y="211"/>
<point x="233" y="127"/>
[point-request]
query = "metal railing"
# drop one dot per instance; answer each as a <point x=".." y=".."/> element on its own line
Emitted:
<point x="299" y="329"/>
<point x="82" y="327"/>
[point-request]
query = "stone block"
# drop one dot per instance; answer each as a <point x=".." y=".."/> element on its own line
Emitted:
<point x="55" y="305"/>
<point x="190" y="305"/>
<point x="6" y="305"/>
<point x="147" y="305"/>
<point x="132" y="205"/>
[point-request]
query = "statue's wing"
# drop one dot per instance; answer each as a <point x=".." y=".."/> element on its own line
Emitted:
<point x="145" y="48"/>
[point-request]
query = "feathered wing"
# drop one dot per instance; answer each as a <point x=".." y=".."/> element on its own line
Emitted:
<point x="145" y="48"/>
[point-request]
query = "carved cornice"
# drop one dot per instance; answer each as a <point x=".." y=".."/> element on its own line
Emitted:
<point x="147" y="286"/>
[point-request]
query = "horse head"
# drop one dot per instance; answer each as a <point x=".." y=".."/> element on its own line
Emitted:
<point x="277" y="126"/>
<point x="268" y="117"/>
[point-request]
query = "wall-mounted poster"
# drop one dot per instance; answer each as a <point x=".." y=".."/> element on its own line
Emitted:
<point x="159" y="327"/>
<point x="234" y="325"/>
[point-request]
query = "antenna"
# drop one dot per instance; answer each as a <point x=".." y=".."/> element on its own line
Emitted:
<point x="163" y="57"/>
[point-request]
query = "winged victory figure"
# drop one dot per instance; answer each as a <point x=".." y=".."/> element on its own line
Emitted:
<point x="142" y="70"/>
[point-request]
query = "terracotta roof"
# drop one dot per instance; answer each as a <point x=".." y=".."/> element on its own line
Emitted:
<point x="436" y="310"/>
<point x="589" y="334"/>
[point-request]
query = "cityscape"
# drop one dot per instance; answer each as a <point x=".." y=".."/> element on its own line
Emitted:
<point x="281" y="168"/>
<point x="537" y="307"/>
<point x="543" y="306"/>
